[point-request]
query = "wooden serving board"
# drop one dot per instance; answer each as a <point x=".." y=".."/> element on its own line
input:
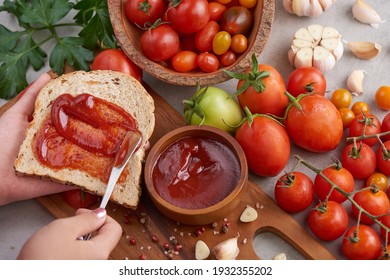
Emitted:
<point x="146" y="221"/>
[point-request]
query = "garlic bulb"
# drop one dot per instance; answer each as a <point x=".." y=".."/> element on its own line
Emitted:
<point x="364" y="13"/>
<point x="308" y="8"/>
<point x="355" y="82"/>
<point x="227" y="250"/>
<point x="364" y="50"/>
<point x="318" y="46"/>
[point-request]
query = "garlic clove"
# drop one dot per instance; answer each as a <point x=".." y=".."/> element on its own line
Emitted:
<point x="315" y="31"/>
<point x="364" y="50"/>
<point x="355" y="82"/>
<point x="202" y="251"/>
<point x="287" y="4"/>
<point x="315" y="9"/>
<point x="248" y="215"/>
<point x="334" y="45"/>
<point x="325" y="4"/>
<point x="291" y="54"/>
<point x="323" y="59"/>
<point x="280" y="256"/>
<point x="301" y="7"/>
<point x="304" y="34"/>
<point x="227" y="250"/>
<point x="303" y="57"/>
<point x="330" y="32"/>
<point x="364" y="13"/>
<point x="299" y="43"/>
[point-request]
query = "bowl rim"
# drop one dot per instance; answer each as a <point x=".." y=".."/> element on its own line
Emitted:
<point x="264" y="24"/>
<point x="189" y="130"/>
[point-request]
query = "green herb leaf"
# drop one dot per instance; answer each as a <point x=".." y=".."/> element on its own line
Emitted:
<point x="9" y="39"/>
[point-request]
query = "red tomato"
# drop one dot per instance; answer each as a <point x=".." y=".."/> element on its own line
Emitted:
<point x="328" y="222"/>
<point x="294" y="192"/>
<point x="265" y="157"/>
<point x="361" y="243"/>
<point x="386" y="221"/>
<point x="204" y="37"/>
<point x="237" y="20"/>
<point x="184" y="61"/>
<point x="79" y="198"/>
<point x="208" y="62"/>
<point x="372" y="200"/>
<point x="367" y="124"/>
<point x="228" y="58"/>
<point x="314" y="125"/>
<point x="189" y="16"/>
<point x="385" y="127"/>
<point x="216" y="10"/>
<point x="141" y="12"/>
<point x="114" y="59"/>
<point x="383" y="158"/>
<point x="306" y="80"/>
<point x="160" y="43"/>
<point x="266" y="93"/>
<point x="339" y="176"/>
<point x="359" y="160"/>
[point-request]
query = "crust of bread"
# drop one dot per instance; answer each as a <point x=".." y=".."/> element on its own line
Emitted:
<point x="118" y="88"/>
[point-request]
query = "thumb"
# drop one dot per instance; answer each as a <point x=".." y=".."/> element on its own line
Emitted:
<point x="86" y="221"/>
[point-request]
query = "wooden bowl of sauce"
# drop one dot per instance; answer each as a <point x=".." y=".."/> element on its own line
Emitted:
<point x="196" y="175"/>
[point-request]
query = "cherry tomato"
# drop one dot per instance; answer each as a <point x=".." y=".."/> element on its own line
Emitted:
<point x="189" y="16"/>
<point x="294" y="192"/>
<point x="248" y="3"/>
<point x="386" y="221"/>
<point x="265" y="158"/>
<point x="339" y="176"/>
<point x="79" y="198"/>
<point x="372" y="200"/>
<point x="239" y="43"/>
<point x="383" y="158"/>
<point x="237" y="20"/>
<point x="184" y="61"/>
<point x="341" y="98"/>
<point x="306" y="80"/>
<point x="328" y="221"/>
<point x="216" y="10"/>
<point x="224" y="1"/>
<point x="386" y="127"/>
<point x="228" y="58"/>
<point x="187" y="42"/>
<point x="379" y="180"/>
<point x="208" y="62"/>
<point x="361" y="243"/>
<point x="271" y="98"/>
<point x="221" y="42"/>
<point x="204" y="37"/>
<point x="360" y="107"/>
<point x="382" y="97"/>
<point x="367" y="124"/>
<point x="347" y="116"/>
<point x="314" y="125"/>
<point x="160" y="43"/>
<point x="359" y="160"/>
<point x="116" y="60"/>
<point x="141" y="12"/>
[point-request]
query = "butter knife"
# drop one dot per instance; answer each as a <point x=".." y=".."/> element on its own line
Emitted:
<point x="129" y="145"/>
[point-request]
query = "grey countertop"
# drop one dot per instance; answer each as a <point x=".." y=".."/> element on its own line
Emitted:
<point x="19" y="220"/>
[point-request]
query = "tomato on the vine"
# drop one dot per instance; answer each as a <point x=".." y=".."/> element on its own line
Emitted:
<point x="116" y="60"/>
<point x="382" y="97"/>
<point x="361" y="243"/>
<point x="237" y="20"/>
<point x="383" y="158"/>
<point x="372" y="200"/>
<point x="188" y="16"/>
<point x="306" y="80"/>
<point x="360" y="160"/>
<point x="367" y="124"/>
<point x="379" y="180"/>
<point x="385" y="221"/>
<point x="360" y="107"/>
<point x="141" y="12"/>
<point x="341" y="177"/>
<point x="79" y="199"/>
<point x="328" y="221"/>
<point x="385" y="127"/>
<point x="264" y="157"/>
<point x="294" y="192"/>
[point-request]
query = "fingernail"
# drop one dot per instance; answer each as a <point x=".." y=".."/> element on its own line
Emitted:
<point x="100" y="212"/>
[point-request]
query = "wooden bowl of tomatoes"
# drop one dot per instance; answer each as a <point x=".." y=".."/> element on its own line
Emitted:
<point x="189" y="49"/>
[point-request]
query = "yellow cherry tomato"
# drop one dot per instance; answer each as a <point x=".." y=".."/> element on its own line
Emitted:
<point x="341" y="98"/>
<point x="224" y="1"/>
<point x="239" y="43"/>
<point x="360" y="107"/>
<point x="221" y="42"/>
<point x="382" y="97"/>
<point x="378" y="179"/>
<point x="248" y="3"/>
<point x="347" y="116"/>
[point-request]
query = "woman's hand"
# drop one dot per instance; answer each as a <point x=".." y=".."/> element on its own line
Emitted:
<point x="59" y="239"/>
<point x="13" y="125"/>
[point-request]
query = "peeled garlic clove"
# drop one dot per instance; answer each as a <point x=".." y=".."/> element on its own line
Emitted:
<point x="364" y="50"/>
<point x="303" y="57"/>
<point x="202" y="251"/>
<point x="364" y="13"/>
<point x="227" y="250"/>
<point x="330" y="32"/>
<point x="248" y="215"/>
<point x="355" y="82"/>
<point x="280" y="256"/>
<point x="304" y="34"/>
<point x="323" y="59"/>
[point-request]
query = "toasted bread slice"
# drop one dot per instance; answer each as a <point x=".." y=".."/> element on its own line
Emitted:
<point x="115" y="87"/>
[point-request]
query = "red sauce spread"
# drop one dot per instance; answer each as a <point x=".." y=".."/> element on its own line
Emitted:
<point x="83" y="132"/>
<point x="196" y="172"/>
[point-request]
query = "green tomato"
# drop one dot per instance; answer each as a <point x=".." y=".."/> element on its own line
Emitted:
<point x="214" y="107"/>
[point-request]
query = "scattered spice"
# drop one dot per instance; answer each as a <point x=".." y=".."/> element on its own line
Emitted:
<point x="132" y="241"/>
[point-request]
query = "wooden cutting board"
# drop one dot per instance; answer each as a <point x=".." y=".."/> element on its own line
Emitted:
<point x="147" y="222"/>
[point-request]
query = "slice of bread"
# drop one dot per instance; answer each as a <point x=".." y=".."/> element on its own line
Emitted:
<point x="115" y="87"/>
